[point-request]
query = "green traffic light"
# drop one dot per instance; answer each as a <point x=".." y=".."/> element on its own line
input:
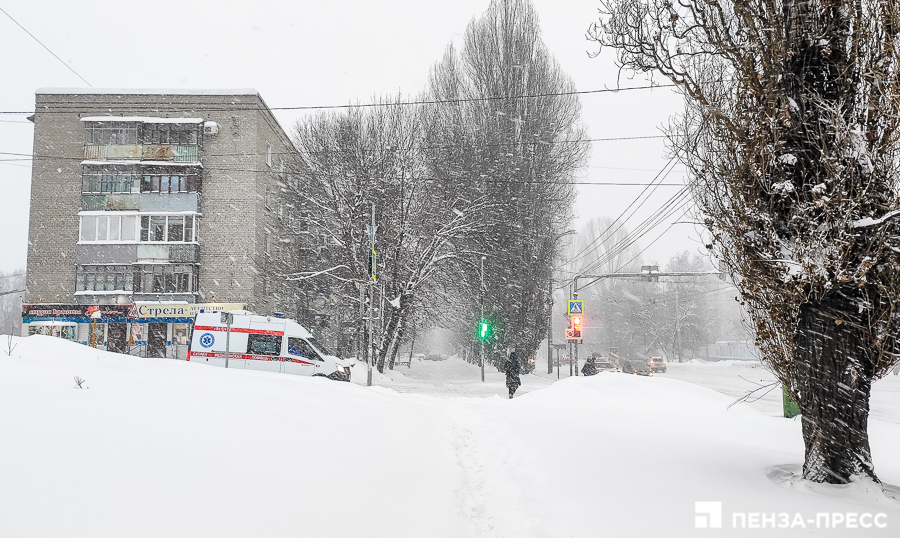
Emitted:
<point x="484" y="330"/>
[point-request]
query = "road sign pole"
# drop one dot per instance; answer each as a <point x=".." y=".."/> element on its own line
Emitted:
<point x="227" y="337"/>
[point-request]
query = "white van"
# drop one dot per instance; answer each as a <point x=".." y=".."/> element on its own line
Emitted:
<point x="270" y="343"/>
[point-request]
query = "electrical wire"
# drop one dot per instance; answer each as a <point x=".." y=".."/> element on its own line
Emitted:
<point x="398" y="103"/>
<point x="660" y="176"/>
<point x="45" y="47"/>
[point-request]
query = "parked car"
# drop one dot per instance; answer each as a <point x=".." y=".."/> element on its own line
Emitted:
<point x="433" y="357"/>
<point x="606" y="366"/>
<point x="637" y="367"/>
<point x="657" y="364"/>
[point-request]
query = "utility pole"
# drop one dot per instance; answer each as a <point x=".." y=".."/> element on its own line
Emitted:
<point x="571" y="287"/>
<point x="550" y="329"/>
<point x="675" y="337"/>
<point x="372" y="272"/>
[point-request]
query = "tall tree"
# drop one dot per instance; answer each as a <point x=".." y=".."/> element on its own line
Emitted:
<point x="506" y="127"/>
<point x="791" y="136"/>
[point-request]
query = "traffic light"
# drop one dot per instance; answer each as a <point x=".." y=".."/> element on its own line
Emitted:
<point x="484" y="330"/>
<point x="576" y="327"/>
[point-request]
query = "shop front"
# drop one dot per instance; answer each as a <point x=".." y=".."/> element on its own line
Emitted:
<point x="164" y="328"/>
<point x="102" y="326"/>
<point x="145" y="329"/>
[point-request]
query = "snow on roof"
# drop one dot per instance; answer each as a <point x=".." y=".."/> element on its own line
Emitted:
<point x="151" y="163"/>
<point x="143" y="119"/>
<point x="145" y="91"/>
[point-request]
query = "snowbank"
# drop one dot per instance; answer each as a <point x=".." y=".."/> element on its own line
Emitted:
<point x="170" y="448"/>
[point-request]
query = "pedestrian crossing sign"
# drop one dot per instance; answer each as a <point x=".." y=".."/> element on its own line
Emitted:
<point x="576" y="307"/>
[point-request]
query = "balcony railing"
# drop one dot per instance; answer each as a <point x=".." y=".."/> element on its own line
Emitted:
<point x="142" y="152"/>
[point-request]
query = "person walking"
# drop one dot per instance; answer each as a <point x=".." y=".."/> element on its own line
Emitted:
<point x="590" y="366"/>
<point x="512" y="373"/>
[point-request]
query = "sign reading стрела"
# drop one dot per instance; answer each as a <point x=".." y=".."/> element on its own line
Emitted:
<point x="576" y="307"/>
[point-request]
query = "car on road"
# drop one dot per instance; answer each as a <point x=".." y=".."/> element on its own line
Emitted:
<point x="434" y="357"/>
<point x="657" y="364"/>
<point x="605" y="366"/>
<point x="636" y="367"/>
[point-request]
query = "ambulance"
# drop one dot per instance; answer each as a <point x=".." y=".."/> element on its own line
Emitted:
<point x="269" y="343"/>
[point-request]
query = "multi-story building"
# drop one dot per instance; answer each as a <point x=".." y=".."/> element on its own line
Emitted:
<point x="154" y="199"/>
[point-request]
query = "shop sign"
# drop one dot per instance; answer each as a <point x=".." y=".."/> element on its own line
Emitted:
<point x="55" y="311"/>
<point x="185" y="310"/>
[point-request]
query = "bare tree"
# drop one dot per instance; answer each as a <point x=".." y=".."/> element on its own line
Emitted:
<point x="374" y="157"/>
<point x="791" y="136"/>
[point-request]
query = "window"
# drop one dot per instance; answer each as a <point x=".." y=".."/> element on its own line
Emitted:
<point x="169" y="228"/>
<point x="165" y="278"/>
<point x="114" y="133"/>
<point x="268" y="154"/>
<point x="180" y="134"/>
<point x="170" y="180"/>
<point x="264" y="344"/>
<point x="300" y="348"/>
<point x="103" y="278"/>
<point x="109" y="228"/>
<point x="107" y="179"/>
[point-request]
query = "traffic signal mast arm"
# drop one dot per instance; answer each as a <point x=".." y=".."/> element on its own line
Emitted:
<point x="643" y="274"/>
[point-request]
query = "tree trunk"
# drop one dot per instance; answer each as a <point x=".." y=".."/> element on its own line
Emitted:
<point x="834" y="382"/>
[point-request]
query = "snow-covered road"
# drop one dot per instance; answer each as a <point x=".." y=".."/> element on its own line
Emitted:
<point x="169" y="448"/>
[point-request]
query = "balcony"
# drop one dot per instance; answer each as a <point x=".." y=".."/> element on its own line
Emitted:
<point x="142" y="152"/>
<point x="178" y="253"/>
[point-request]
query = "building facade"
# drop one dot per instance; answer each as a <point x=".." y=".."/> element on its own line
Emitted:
<point x="144" y="197"/>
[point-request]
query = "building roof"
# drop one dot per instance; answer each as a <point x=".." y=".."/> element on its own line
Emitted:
<point x="145" y="91"/>
<point x="143" y="119"/>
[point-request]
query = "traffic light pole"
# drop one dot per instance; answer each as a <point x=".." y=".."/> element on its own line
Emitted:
<point x="575" y="343"/>
<point x="482" y="319"/>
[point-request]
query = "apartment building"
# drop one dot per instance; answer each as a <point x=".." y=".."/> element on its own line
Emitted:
<point x="146" y="201"/>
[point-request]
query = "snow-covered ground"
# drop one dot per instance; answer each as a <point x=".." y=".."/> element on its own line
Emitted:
<point x="170" y="448"/>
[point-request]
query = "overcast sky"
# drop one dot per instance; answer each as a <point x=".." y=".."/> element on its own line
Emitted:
<point x="309" y="53"/>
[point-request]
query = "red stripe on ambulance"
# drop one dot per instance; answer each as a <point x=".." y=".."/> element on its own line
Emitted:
<point x="220" y="355"/>
<point x="238" y="330"/>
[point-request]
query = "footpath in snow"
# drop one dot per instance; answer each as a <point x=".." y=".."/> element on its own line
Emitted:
<point x="171" y="448"/>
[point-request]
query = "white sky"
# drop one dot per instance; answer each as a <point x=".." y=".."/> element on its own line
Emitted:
<point x="312" y="53"/>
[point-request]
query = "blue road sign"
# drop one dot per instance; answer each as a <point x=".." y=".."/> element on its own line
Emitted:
<point x="576" y="307"/>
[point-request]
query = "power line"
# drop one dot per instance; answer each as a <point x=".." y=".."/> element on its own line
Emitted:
<point x="477" y="99"/>
<point x="671" y="206"/>
<point x="442" y="146"/>
<point x="669" y="227"/>
<point x="587" y="250"/>
<point x="45" y="47"/>
<point x="398" y="103"/>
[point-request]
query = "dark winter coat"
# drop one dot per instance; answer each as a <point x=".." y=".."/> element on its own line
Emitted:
<point x="590" y="367"/>
<point x="513" y="368"/>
